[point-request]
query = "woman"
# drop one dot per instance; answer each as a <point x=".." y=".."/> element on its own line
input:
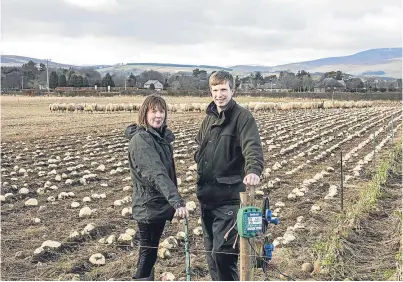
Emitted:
<point x="155" y="194"/>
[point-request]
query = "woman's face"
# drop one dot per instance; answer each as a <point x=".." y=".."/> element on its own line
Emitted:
<point x="155" y="117"/>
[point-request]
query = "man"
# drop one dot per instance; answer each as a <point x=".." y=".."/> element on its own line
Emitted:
<point x="229" y="157"/>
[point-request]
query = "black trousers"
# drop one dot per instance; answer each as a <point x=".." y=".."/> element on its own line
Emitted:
<point x="149" y="235"/>
<point x="222" y="258"/>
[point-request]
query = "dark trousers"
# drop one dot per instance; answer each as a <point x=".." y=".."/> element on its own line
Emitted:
<point x="216" y="222"/>
<point x="149" y="235"/>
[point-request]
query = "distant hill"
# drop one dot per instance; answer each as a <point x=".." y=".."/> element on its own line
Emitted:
<point x="12" y="60"/>
<point x="379" y="62"/>
<point x="368" y="57"/>
<point x="178" y="66"/>
<point x="383" y="62"/>
<point x="138" y="68"/>
<point x="135" y="68"/>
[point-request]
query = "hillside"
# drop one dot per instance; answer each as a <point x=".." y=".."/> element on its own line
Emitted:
<point x="380" y="62"/>
<point x="383" y="62"/>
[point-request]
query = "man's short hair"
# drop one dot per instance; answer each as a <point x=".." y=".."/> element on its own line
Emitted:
<point x="221" y="77"/>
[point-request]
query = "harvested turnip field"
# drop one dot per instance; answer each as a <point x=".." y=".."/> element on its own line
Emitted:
<point x="50" y="160"/>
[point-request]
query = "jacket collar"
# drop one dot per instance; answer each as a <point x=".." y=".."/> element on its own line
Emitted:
<point x="162" y="134"/>
<point x="212" y="109"/>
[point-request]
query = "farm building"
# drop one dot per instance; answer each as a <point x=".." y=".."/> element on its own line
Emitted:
<point x="157" y="84"/>
<point x="272" y="87"/>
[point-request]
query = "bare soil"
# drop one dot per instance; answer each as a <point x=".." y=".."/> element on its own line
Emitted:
<point x="32" y="135"/>
<point x="372" y="251"/>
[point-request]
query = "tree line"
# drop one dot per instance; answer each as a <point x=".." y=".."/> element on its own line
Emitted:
<point x="300" y="81"/>
<point x="32" y="75"/>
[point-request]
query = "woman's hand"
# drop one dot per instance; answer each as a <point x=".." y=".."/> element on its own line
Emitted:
<point x="182" y="212"/>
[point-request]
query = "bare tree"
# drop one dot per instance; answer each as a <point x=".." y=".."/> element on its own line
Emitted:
<point x="307" y="83"/>
<point x="186" y="82"/>
<point x="150" y="75"/>
<point x="354" y="84"/>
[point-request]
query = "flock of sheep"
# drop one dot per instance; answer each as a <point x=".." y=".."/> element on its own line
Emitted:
<point x="201" y="107"/>
<point x="93" y="107"/>
<point x="286" y="106"/>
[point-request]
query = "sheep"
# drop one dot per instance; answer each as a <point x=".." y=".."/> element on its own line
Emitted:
<point x="101" y="108"/>
<point x="271" y="106"/>
<point x="80" y="108"/>
<point x="182" y="107"/>
<point x="186" y="107"/>
<point x="93" y="107"/>
<point x="53" y="107"/>
<point x="87" y="107"/>
<point x="136" y="106"/>
<point x="251" y="106"/>
<point x="128" y="108"/>
<point x="176" y="108"/>
<point x="171" y="107"/>
<point x="196" y="106"/>
<point x="62" y="107"/>
<point x="259" y="107"/>
<point x="71" y="107"/>
<point x="109" y="108"/>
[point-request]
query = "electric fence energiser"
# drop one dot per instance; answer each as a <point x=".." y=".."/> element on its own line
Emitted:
<point x="252" y="222"/>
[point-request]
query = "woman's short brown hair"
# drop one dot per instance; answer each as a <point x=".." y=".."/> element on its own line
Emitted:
<point x="152" y="101"/>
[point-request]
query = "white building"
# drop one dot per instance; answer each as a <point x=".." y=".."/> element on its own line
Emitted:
<point x="158" y="85"/>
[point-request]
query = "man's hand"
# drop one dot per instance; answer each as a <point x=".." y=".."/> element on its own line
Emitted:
<point x="251" y="179"/>
<point x="182" y="212"/>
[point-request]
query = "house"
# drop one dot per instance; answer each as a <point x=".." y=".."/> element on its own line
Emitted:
<point x="330" y="84"/>
<point x="273" y="87"/>
<point x="158" y="85"/>
<point x="267" y="87"/>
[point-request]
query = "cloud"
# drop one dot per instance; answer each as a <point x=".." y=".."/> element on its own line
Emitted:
<point x="94" y="4"/>
<point x="200" y="32"/>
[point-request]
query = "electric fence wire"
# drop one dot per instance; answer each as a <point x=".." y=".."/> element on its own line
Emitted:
<point x="268" y="263"/>
<point x="135" y="244"/>
<point x="179" y="250"/>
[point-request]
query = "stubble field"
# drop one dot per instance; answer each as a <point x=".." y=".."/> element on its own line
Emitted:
<point x="61" y="158"/>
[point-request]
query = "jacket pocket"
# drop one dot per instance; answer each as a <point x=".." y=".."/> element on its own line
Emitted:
<point x="225" y="188"/>
<point x="229" y="180"/>
<point x="157" y="204"/>
<point x="226" y="212"/>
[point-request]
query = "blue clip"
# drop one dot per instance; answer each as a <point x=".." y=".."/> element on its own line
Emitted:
<point x="268" y="250"/>
<point x="270" y="219"/>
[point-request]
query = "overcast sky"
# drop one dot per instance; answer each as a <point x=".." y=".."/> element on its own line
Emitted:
<point x="214" y="32"/>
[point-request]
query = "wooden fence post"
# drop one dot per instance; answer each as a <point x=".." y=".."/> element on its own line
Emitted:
<point x="246" y="271"/>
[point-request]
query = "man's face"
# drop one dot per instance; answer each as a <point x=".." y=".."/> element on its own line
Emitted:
<point x="221" y="94"/>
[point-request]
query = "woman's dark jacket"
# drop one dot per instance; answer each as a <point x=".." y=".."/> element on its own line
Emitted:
<point x="155" y="193"/>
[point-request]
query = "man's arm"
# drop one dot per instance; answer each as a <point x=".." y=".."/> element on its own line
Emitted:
<point x="251" y="149"/>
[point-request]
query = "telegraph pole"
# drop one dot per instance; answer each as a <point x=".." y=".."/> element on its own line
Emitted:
<point x="22" y="81"/>
<point x="47" y="74"/>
